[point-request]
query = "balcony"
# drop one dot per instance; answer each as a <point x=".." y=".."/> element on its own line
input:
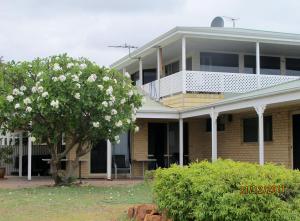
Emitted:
<point x="211" y="82"/>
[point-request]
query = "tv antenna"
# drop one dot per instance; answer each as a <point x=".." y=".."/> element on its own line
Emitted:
<point x="125" y="45"/>
<point x="232" y="19"/>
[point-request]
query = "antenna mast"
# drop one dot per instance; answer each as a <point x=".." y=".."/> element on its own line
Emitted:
<point x="233" y="20"/>
<point x="125" y="45"/>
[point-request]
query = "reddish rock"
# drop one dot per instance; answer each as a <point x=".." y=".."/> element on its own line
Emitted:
<point x="153" y="217"/>
<point x="131" y="212"/>
<point x="142" y="210"/>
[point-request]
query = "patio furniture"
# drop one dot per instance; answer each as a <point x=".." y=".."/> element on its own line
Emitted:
<point x="119" y="162"/>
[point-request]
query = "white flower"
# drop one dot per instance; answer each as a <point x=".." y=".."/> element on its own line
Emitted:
<point x="100" y="87"/>
<point x="123" y="100"/>
<point x="136" y="129"/>
<point x="40" y="89"/>
<point x="16" y="91"/>
<point x="118" y="141"/>
<point x="127" y="75"/>
<point x="75" y="78"/>
<point x="78" y="85"/>
<point x="69" y="65"/>
<point x="113" y="99"/>
<point x="117" y="138"/>
<point x="17" y="106"/>
<point x="23" y="88"/>
<point x="128" y="121"/>
<point x="114" y="112"/>
<point x="110" y="103"/>
<point x="115" y="80"/>
<point x="105" y="104"/>
<point x="133" y="117"/>
<point x="96" y="124"/>
<point x="28" y="109"/>
<point x="130" y="93"/>
<point x="54" y="79"/>
<point x="55" y="104"/>
<point x="39" y="74"/>
<point x="82" y="66"/>
<point x="77" y="96"/>
<point x="119" y="124"/>
<point x="105" y="78"/>
<point x="33" y="139"/>
<point x="27" y="101"/>
<point x="34" y="89"/>
<point x="10" y="98"/>
<point x="45" y="94"/>
<point x="62" y="78"/>
<point x="56" y="67"/>
<point x="107" y="118"/>
<point x="109" y="90"/>
<point x="21" y="93"/>
<point x="92" y="78"/>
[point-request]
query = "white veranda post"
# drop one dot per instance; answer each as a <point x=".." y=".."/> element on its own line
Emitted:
<point x="260" y="112"/>
<point x="214" y="152"/>
<point x="181" y="142"/>
<point x="140" y="72"/>
<point x="20" y="154"/>
<point x="29" y="157"/>
<point x="109" y="159"/>
<point x="258" y="64"/>
<point x="158" y="69"/>
<point x="183" y="63"/>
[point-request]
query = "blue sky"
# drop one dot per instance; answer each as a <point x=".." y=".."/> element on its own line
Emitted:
<point x="34" y="28"/>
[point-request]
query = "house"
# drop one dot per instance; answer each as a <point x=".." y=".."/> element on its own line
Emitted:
<point x="210" y="92"/>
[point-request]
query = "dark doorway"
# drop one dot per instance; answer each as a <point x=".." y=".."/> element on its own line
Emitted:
<point x="99" y="157"/>
<point x="163" y="143"/>
<point x="296" y="141"/>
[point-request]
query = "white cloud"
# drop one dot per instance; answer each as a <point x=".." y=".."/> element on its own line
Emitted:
<point x="35" y="28"/>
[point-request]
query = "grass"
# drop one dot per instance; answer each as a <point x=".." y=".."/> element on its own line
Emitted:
<point x="71" y="203"/>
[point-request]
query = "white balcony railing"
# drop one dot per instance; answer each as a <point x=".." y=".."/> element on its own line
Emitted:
<point x="216" y="82"/>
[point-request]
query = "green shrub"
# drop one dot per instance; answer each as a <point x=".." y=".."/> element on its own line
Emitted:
<point x="212" y="191"/>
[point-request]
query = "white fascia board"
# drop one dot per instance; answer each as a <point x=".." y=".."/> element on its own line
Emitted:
<point x="243" y="104"/>
<point x="157" y="115"/>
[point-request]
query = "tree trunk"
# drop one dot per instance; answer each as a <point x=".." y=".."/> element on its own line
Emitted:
<point x="55" y="170"/>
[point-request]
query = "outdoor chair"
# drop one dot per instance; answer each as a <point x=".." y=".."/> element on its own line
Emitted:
<point x="120" y="165"/>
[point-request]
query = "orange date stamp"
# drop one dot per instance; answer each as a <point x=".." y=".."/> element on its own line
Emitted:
<point x="261" y="189"/>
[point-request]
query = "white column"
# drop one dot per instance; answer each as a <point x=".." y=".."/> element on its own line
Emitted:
<point x="181" y="142"/>
<point x="241" y="63"/>
<point x="109" y="155"/>
<point x="258" y="63"/>
<point x="158" y="68"/>
<point x="141" y="72"/>
<point x="214" y="144"/>
<point x="20" y="154"/>
<point x="183" y="63"/>
<point x="260" y="112"/>
<point x="29" y="157"/>
<point x="124" y="70"/>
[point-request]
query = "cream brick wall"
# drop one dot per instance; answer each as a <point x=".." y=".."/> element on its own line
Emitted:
<point x="230" y="141"/>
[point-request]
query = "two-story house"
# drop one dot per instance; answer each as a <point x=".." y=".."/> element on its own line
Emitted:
<point x="210" y="92"/>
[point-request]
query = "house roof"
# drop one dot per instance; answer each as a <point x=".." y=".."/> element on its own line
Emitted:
<point x="237" y="34"/>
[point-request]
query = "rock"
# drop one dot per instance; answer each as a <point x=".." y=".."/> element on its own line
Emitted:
<point x="153" y="217"/>
<point x="131" y="212"/>
<point x="142" y="210"/>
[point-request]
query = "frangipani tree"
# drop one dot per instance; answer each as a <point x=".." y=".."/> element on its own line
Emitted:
<point x="59" y="95"/>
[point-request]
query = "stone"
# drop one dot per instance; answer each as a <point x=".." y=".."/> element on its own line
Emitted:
<point x="131" y="212"/>
<point x="153" y="217"/>
<point x="142" y="210"/>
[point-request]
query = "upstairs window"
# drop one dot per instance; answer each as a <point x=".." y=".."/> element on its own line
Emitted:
<point x="189" y="64"/>
<point x="218" y="62"/>
<point x="250" y="129"/>
<point x="149" y="75"/>
<point x="292" y="66"/>
<point x="268" y="65"/>
<point x="172" y="68"/>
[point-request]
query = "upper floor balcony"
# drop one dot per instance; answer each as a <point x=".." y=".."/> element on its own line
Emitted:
<point x="208" y="60"/>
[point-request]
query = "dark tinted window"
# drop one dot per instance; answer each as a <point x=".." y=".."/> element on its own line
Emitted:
<point x="219" y="62"/>
<point x="149" y="75"/>
<point x="189" y="64"/>
<point x="134" y="77"/>
<point x="172" y="68"/>
<point x="292" y="66"/>
<point x="250" y="129"/>
<point x="268" y="65"/>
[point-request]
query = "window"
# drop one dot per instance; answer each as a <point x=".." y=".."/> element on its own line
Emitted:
<point x="149" y="75"/>
<point x="189" y="64"/>
<point x="268" y="65"/>
<point x="220" y="125"/>
<point x="172" y="68"/>
<point x="292" y="66"/>
<point x="219" y="62"/>
<point x="250" y="128"/>
<point x="134" y="77"/>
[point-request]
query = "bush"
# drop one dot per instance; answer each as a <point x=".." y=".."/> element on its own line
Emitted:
<point x="216" y="191"/>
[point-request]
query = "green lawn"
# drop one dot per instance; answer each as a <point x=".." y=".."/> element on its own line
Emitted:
<point x="71" y="203"/>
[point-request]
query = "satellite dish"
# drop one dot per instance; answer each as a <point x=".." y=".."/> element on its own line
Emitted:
<point x="217" y="22"/>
